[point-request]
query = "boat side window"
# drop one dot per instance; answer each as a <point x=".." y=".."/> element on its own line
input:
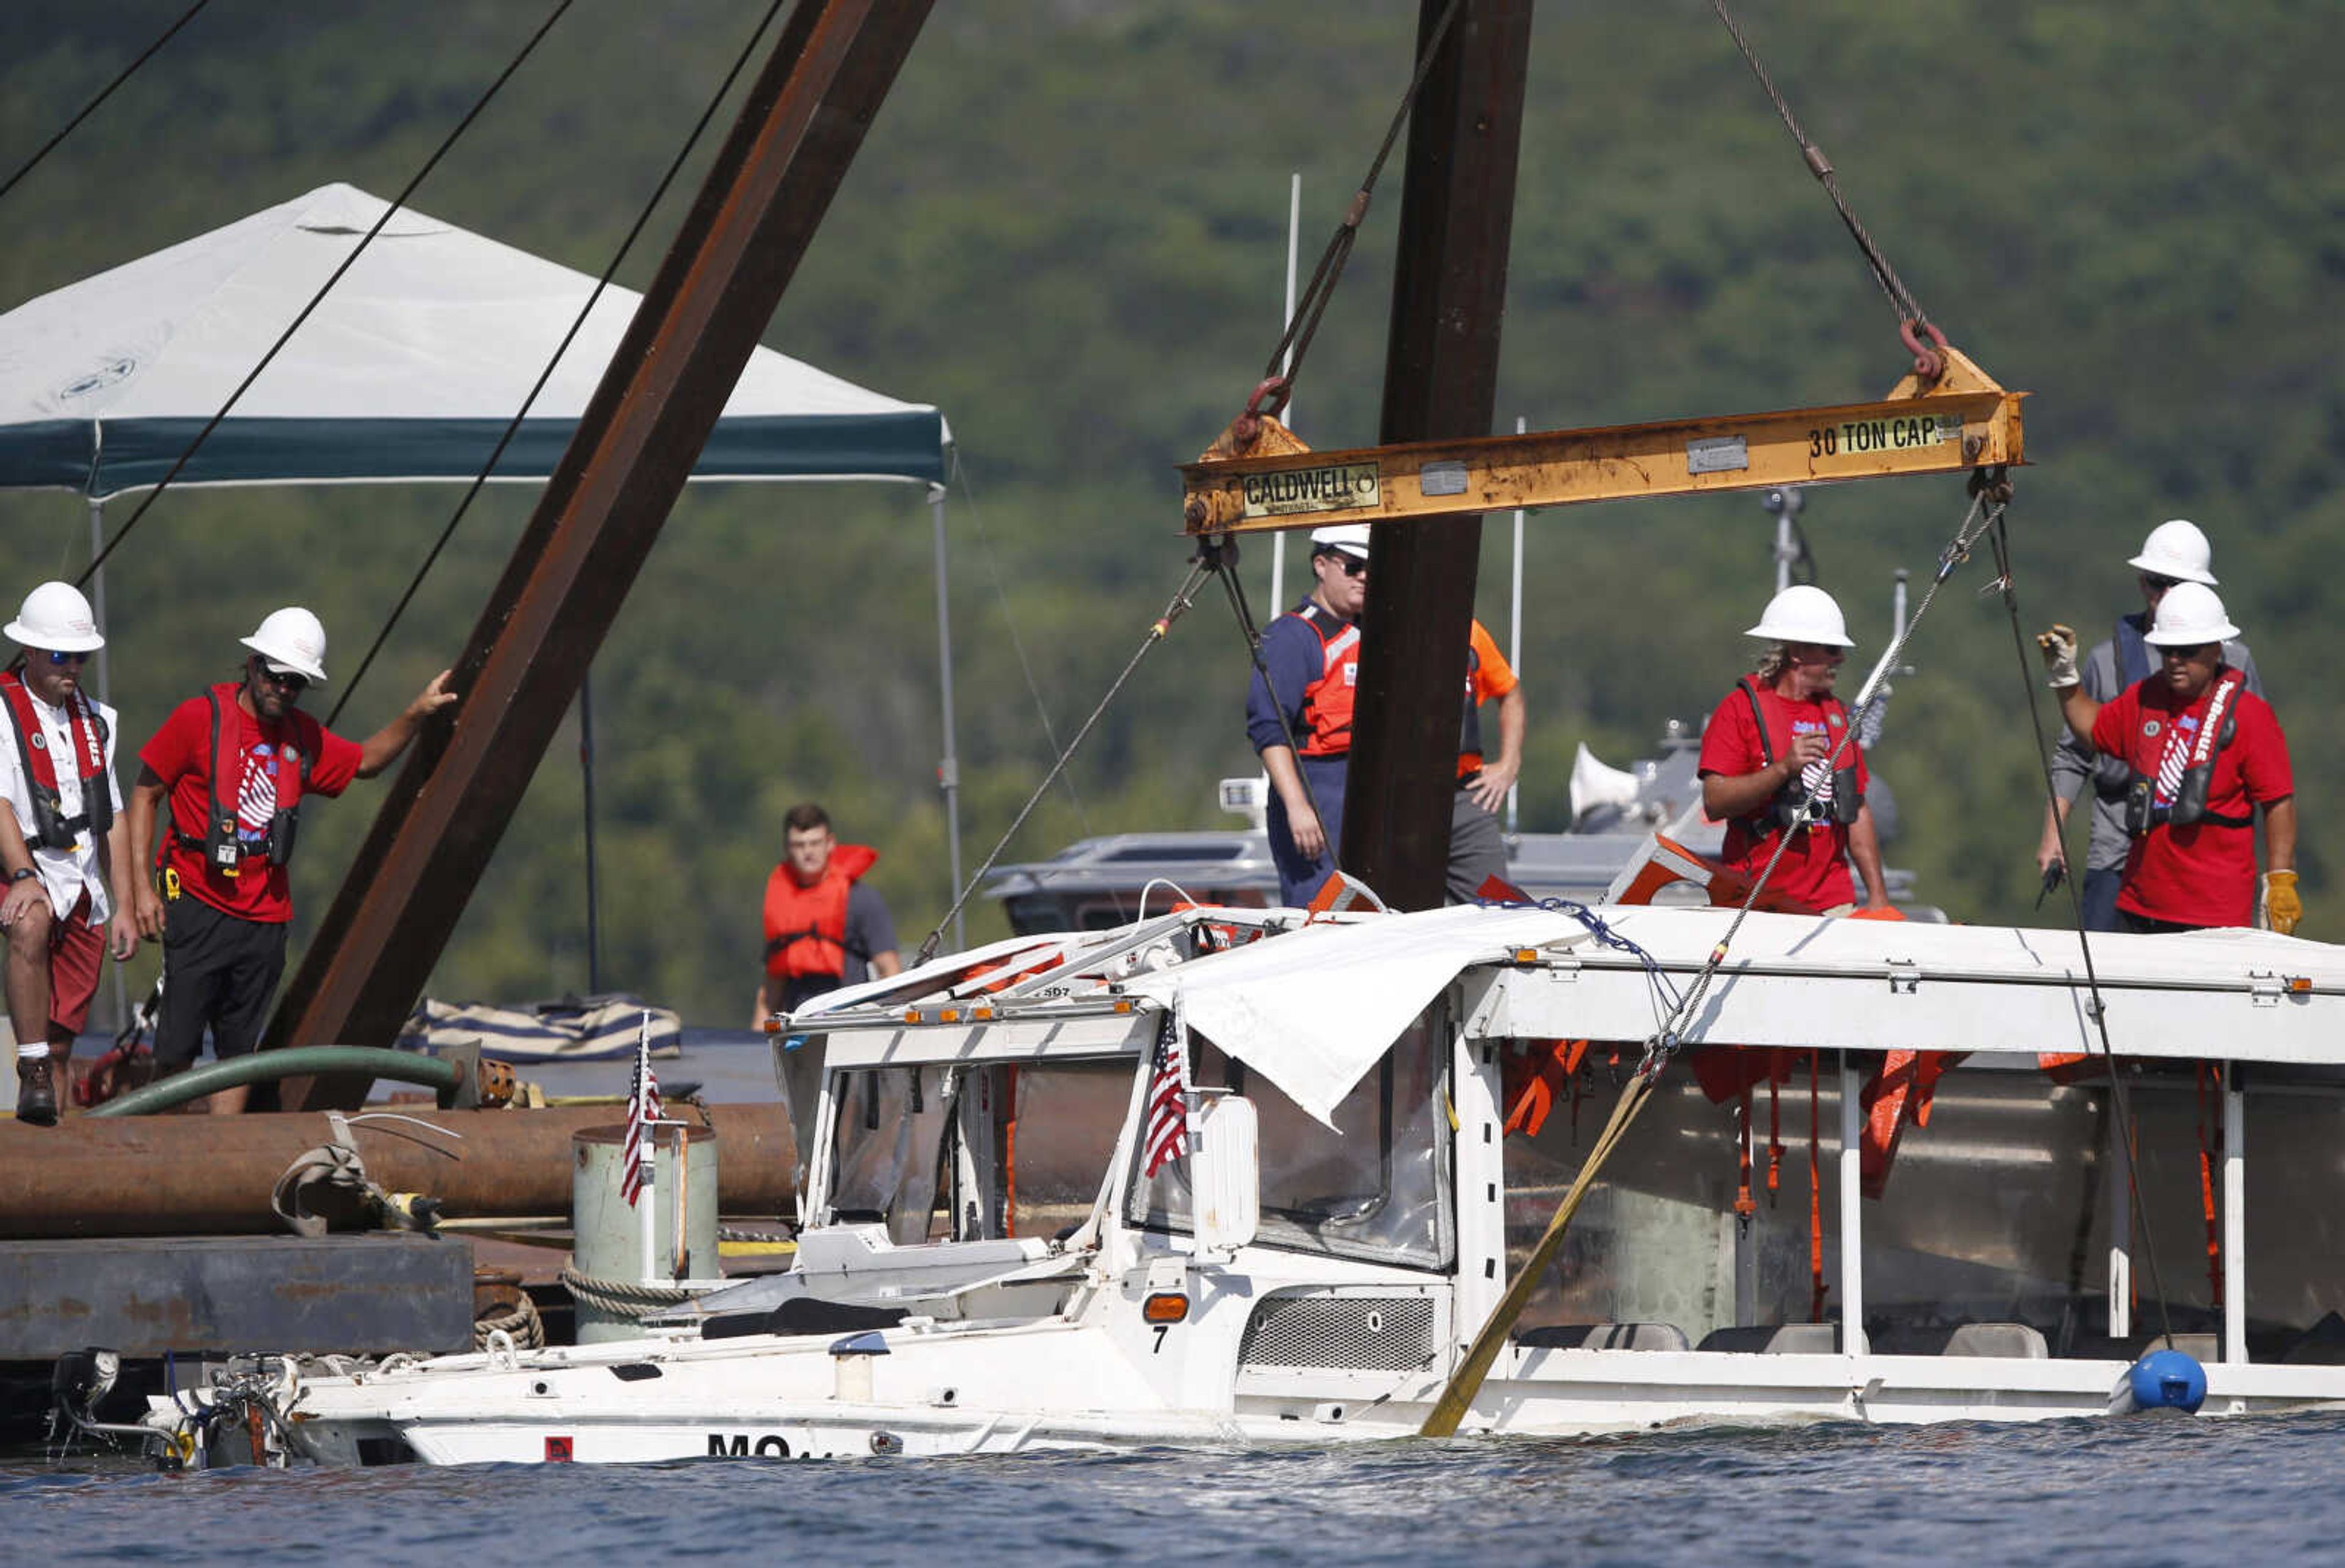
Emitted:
<point x="1375" y="1187"/>
<point x="990" y="1149"/>
<point x="885" y="1148"/>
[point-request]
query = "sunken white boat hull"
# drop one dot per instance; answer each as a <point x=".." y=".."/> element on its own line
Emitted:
<point x="953" y="1297"/>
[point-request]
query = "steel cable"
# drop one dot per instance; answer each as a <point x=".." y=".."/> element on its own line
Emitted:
<point x="1312" y="304"/>
<point x="396" y="203"/>
<point x="1182" y="599"/>
<point x="512" y="427"/>
<point x="103" y="93"/>
<point x="1901" y="298"/>
<point x="2120" y="1103"/>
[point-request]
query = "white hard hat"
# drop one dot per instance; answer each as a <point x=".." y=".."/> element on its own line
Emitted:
<point x="2176" y="548"/>
<point x="56" y="617"/>
<point x="1352" y="538"/>
<point x="1802" y="615"/>
<point x="2188" y="615"/>
<point x="292" y="639"/>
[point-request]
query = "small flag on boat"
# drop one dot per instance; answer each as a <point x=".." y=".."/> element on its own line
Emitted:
<point x="1168" y="1100"/>
<point x="642" y="1113"/>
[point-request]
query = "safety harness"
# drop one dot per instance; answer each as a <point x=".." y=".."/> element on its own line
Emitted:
<point x="52" y="829"/>
<point x="1782" y="811"/>
<point x="2188" y="807"/>
<point x="222" y="849"/>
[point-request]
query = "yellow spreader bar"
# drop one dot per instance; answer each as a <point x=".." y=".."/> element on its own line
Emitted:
<point x="1964" y="421"/>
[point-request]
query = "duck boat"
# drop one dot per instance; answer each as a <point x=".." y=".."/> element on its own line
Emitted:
<point x="1259" y="1175"/>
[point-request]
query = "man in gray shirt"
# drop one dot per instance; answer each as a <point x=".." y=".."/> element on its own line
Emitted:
<point x="2174" y="551"/>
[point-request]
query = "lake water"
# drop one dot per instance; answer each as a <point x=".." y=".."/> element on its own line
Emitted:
<point x="2143" y="1489"/>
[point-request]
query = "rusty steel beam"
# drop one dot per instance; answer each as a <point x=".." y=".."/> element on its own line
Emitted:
<point x="209" y="1176"/>
<point x="1441" y="370"/>
<point x="764" y="197"/>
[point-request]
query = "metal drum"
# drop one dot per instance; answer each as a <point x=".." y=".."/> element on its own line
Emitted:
<point x="607" y="1277"/>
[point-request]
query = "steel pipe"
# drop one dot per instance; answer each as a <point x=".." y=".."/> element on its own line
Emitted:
<point x="212" y="1175"/>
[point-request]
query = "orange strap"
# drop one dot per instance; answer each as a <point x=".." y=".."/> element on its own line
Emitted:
<point x="1815" y="1203"/>
<point x="2211" y="1149"/>
<point x="1743" y="1206"/>
<point x="1775" y="1071"/>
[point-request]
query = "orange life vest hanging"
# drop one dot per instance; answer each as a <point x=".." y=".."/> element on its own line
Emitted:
<point x="806" y="927"/>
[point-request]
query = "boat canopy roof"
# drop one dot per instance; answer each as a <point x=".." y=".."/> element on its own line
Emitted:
<point x="1312" y="1009"/>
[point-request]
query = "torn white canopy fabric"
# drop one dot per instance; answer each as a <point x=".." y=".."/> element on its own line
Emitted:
<point x="1313" y="1010"/>
<point x="410" y="369"/>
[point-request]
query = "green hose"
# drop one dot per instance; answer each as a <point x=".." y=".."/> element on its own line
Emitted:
<point x="404" y="1066"/>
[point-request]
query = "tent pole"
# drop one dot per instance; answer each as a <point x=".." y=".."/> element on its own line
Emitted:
<point x="948" y="770"/>
<point x="586" y="777"/>
<point x="119" y="990"/>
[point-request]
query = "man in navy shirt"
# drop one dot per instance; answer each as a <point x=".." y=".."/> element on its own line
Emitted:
<point x="1300" y="720"/>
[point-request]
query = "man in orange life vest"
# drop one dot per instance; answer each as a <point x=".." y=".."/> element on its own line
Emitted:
<point x="2203" y="752"/>
<point x="1300" y="718"/>
<point x="824" y="927"/>
<point x="235" y="763"/>
<point x="1768" y="750"/>
<point x="63" y="843"/>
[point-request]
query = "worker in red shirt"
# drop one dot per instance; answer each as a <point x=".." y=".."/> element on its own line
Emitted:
<point x="1772" y="763"/>
<point x="235" y="763"/>
<point x="2204" y="752"/>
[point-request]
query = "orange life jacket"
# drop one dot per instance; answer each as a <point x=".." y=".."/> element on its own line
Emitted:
<point x="806" y="927"/>
<point x="1328" y="701"/>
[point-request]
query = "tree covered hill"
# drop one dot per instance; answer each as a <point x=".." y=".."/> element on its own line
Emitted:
<point x="1067" y="230"/>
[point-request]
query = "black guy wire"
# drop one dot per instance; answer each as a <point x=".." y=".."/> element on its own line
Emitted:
<point x="103" y="93"/>
<point x="1312" y="302"/>
<point x="2120" y="1101"/>
<point x="513" y="428"/>
<point x="1901" y="298"/>
<point x="396" y="203"/>
<point x="1180" y="602"/>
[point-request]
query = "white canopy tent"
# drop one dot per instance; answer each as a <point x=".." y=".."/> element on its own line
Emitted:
<point x="408" y="370"/>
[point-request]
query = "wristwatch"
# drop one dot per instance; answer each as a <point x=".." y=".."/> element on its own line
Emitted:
<point x="21" y="873"/>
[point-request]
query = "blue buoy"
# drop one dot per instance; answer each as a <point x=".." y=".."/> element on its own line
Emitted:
<point x="2168" y="1380"/>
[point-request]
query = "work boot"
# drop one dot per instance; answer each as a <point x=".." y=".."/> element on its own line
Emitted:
<point x="37" y="1097"/>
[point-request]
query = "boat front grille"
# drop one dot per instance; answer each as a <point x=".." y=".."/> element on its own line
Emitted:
<point x="1371" y="1333"/>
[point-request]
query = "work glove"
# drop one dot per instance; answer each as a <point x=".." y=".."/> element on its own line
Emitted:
<point x="2059" y="649"/>
<point x="2281" y="908"/>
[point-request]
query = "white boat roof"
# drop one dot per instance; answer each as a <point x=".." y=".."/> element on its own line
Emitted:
<point x="1315" y="1008"/>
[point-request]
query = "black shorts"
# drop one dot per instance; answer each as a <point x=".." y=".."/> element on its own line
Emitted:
<point x="217" y="972"/>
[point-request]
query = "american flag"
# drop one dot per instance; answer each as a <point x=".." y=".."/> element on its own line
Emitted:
<point x="1167" y="1136"/>
<point x="643" y="1112"/>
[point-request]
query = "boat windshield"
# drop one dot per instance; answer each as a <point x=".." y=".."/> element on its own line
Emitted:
<point x="974" y="1151"/>
<point x="1376" y="1188"/>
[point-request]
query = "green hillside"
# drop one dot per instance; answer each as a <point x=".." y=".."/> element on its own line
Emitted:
<point x="1067" y="230"/>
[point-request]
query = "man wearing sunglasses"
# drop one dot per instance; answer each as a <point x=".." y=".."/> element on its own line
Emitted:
<point x="236" y="764"/>
<point x="63" y="844"/>
<point x="2200" y="752"/>
<point x="1300" y="718"/>
<point x="2174" y="551"/>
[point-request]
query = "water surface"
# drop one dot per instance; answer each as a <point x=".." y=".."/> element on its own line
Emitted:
<point x="2145" y="1490"/>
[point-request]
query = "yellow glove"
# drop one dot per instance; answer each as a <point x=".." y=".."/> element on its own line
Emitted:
<point x="2282" y="908"/>
<point x="2059" y="650"/>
